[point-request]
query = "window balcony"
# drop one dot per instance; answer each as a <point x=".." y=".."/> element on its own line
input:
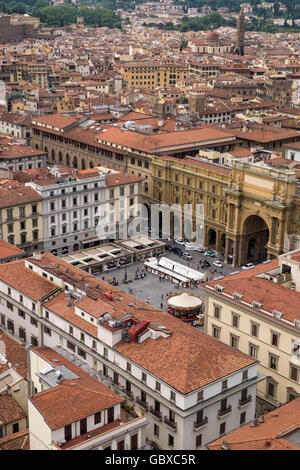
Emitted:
<point x="157" y="414"/>
<point x="169" y="423"/>
<point x="142" y="403"/>
<point x="225" y="411"/>
<point x="245" y="401"/>
<point x="199" y="424"/>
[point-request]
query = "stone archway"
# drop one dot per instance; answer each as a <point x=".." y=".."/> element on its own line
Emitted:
<point x="255" y="238"/>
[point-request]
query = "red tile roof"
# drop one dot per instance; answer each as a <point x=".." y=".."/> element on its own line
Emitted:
<point x="272" y="434"/>
<point x="17" y="441"/>
<point x="10" y="410"/>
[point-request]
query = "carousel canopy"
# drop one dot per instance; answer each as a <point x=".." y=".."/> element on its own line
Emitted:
<point x="185" y="301"/>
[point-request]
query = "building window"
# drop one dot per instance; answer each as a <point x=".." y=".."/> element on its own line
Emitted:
<point x="274" y="339"/>
<point x="144" y="377"/>
<point x="128" y="367"/>
<point x="15" y="428"/>
<point x="198" y="440"/>
<point x="156" y="430"/>
<point x="105" y="352"/>
<point x="97" y="417"/>
<point x="294" y="373"/>
<point x="9" y="305"/>
<point x="200" y="395"/>
<point x="235" y="320"/>
<point x="22" y="334"/>
<point x="271" y="389"/>
<point x="47" y="330"/>
<point x="273" y="362"/>
<point x="245" y="375"/>
<point x="243" y="418"/>
<point x="34" y="341"/>
<point x="82" y="337"/>
<point x="234" y="341"/>
<point x="171" y="441"/>
<point x="216" y="332"/>
<point x="2" y="319"/>
<point x="21" y="313"/>
<point x="81" y="353"/>
<point x="224" y="385"/>
<point x="157" y="386"/>
<point x="217" y="311"/>
<point x="68" y="432"/>
<point x="172" y="396"/>
<point x="121" y="445"/>
<point x="222" y="428"/>
<point x="253" y="350"/>
<point x="33" y="321"/>
<point x="254" y="329"/>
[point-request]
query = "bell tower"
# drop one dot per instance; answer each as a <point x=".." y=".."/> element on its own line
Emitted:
<point x="240" y="39"/>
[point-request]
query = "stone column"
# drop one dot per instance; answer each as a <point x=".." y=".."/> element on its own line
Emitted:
<point x="226" y="249"/>
<point x="235" y="252"/>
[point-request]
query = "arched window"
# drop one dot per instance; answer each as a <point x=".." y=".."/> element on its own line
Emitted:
<point x="91" y="165"/>
<point x="60" y="157"/>
<point x="52" y="154"/>
<point x="68" y="159"/>
<point x="83" y="164"/>
<point x="75" y="162"/>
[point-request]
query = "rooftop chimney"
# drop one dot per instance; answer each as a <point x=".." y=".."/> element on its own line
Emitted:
<point x="225" y="445"/>
<point x="37" y="256"/>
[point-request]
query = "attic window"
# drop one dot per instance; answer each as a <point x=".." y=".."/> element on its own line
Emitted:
<point x="219" y="288"/>
<point x="237" y="296"/>
<point x="256" y="304"/>
<point x="277" y="314"/>
<point x="297" y="323"/>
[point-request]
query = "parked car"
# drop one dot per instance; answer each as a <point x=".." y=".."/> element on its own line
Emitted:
<point x="179" y="241"/>
<point x="218" y="264"/>
<point x="177" y="251"/>
<point x="205" y="263"/>
<point x="169" y="248"/>
<point x="189" y="246"/>
<point x="199" y="249"/>
<point x="187" y="256"/>
<point x="209" y="253"/>
<point x="248" y="266"/>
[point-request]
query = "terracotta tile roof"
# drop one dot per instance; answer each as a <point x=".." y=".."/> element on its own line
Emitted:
<point x="17" y="441"/>
<point x="73" y="399"/>
<point x="10" y="410"/>
<point x="121" y="178"/>
<point x="271" y="295"/>
<point x="165" y="140"/>
<point x="17" y="196"/>
<point x="18" y="151"/>
<point x="31" y="284"/>
<point x="15" y="353"/>
<point x="273" y="434"/>
<point x="7" y="250"/>
<point x="58" y="120"/>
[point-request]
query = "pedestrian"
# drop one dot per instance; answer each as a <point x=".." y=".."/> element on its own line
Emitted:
<point x="161" y="305"/>
<point x="162" y="296"/>
<point x="147" y="300"/>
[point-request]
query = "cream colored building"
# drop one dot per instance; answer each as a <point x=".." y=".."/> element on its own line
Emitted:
<point x="21" y="218"/>
<point x="257" y="312"/>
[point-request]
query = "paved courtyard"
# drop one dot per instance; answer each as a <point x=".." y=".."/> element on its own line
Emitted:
<point x="157" y="291"/>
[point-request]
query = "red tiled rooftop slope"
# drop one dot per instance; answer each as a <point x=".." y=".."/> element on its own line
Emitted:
<point x="270" y="294"/>
<point x="17" y="441"/>
<point x="270" y="435"/>
<point x="10" y="410"/>
<point x="15" y="354"/>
